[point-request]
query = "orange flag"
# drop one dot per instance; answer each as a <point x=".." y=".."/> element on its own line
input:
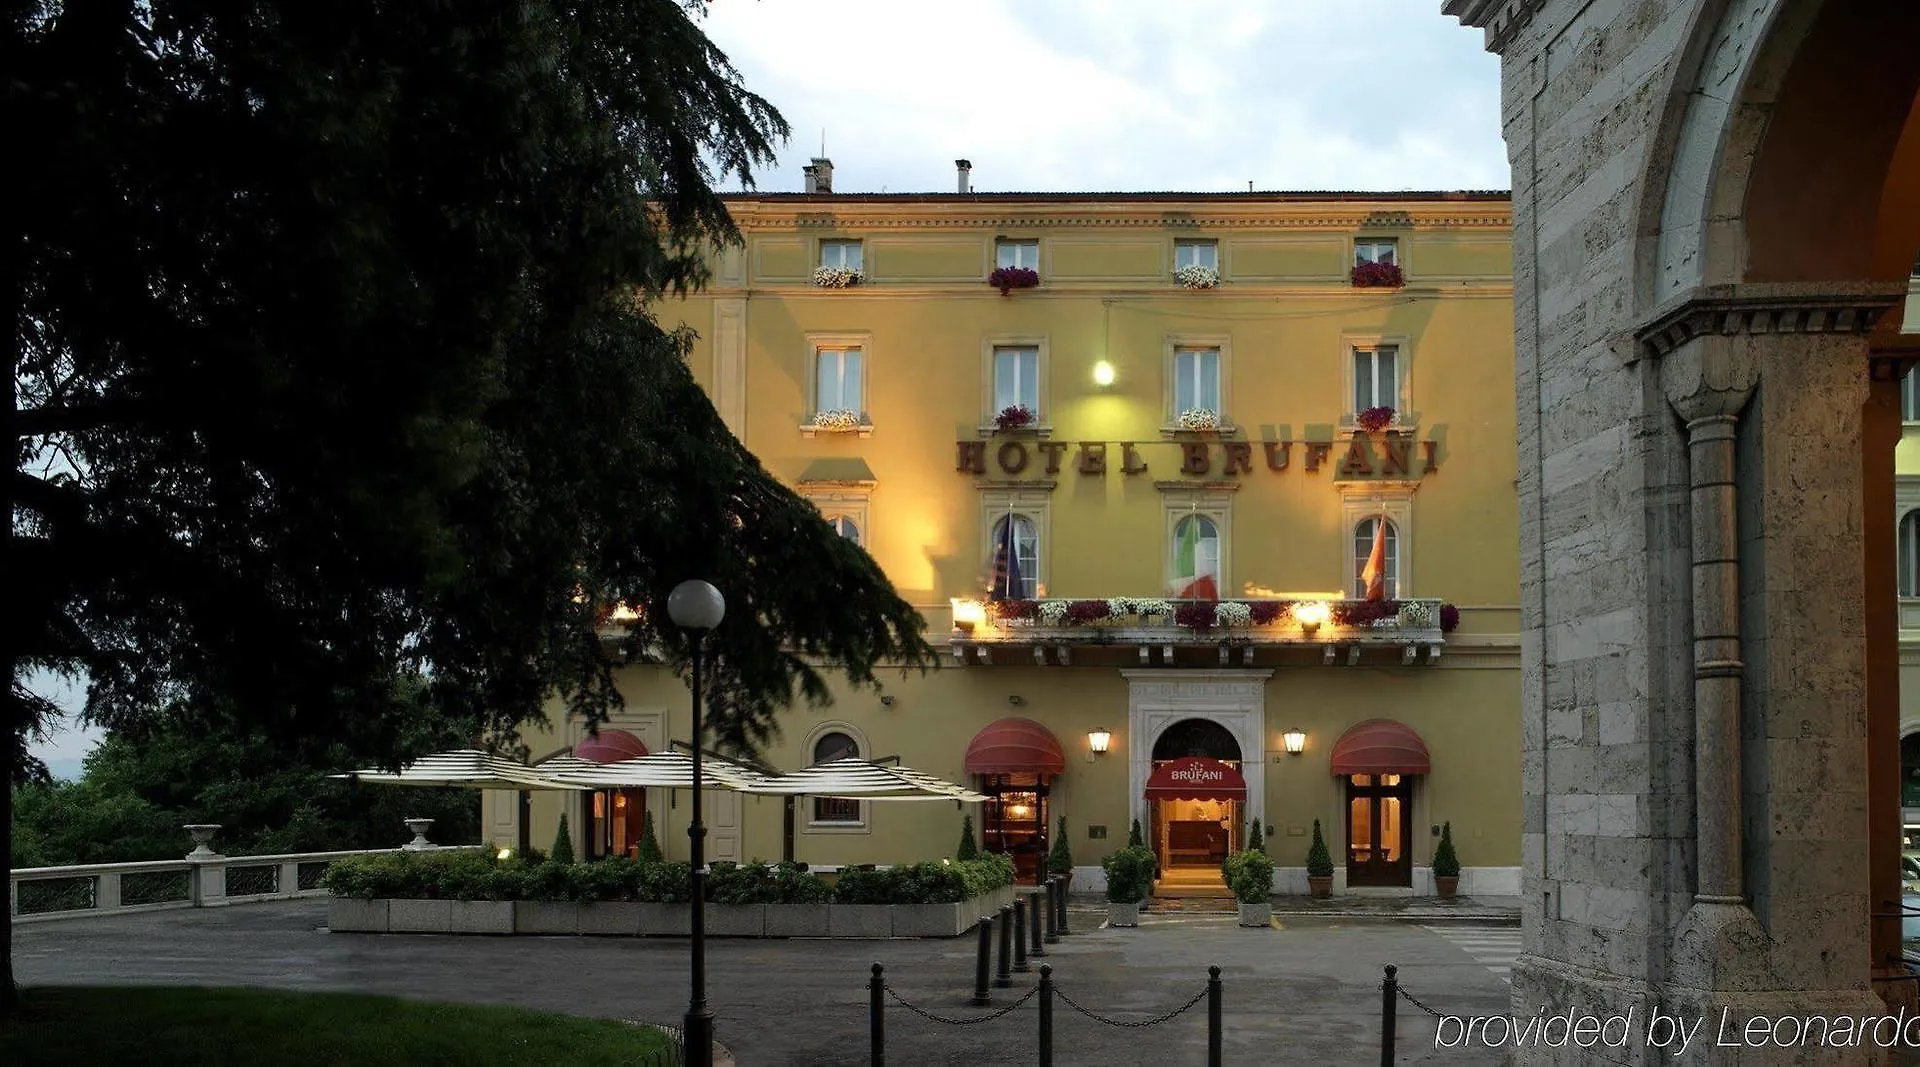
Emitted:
<point x="1374" y="574"/>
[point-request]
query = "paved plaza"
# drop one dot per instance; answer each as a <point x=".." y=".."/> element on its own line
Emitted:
<point x="1307" y="991"/>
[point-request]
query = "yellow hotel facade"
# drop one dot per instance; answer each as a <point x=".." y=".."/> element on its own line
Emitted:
<point x="1194" y="374"/>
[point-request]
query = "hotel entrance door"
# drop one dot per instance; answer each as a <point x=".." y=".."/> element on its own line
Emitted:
<point x="1379" y="834"/>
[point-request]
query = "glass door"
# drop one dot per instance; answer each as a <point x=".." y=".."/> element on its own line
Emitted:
<point x="1379" y="830"/>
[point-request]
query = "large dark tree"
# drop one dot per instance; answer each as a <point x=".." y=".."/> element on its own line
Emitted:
<point x="331" y="364"/>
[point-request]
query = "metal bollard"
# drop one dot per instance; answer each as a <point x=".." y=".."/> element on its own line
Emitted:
<point x="1213" y="1017"/>
<point x="1053" y="913"/>
<point x="1034" y="902"/>
<point x="1046" y="1015"/>
<point x="982" y="957"/>
<point x="1005" y="977"/>
<point x="876" y="1015"/>
<point x="1020" y="935"/>
<point x="1065" y="879"/>
<point x="1388" y="988"/>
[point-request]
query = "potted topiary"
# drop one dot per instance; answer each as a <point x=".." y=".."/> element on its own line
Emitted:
<point x="1129" y="879"/>
<point x="1060" y="860"/>
<point x="1446" y="865"/>
<point x="969" y="849"/>
<point x="1255" y="841"/>
<point x="649" y="850"/>
<point x="1250" y="876"/>
<point x="1319" y="865"/>
<point x="562" y="843"/>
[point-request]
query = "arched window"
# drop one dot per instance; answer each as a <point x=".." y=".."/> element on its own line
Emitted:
<point x="1196" y="558"/>
<point x="1910" y="554"/>
<point x="1026" y="557"/>
<point x="830" y="747"/>
<point x="846" y="527"/>
<point x="1363" y="534"/>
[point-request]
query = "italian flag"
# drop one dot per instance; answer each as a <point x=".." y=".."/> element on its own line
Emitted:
<point x="1194" y="574"/>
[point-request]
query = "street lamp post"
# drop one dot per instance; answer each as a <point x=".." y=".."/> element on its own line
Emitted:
<point x="697" y="607"/>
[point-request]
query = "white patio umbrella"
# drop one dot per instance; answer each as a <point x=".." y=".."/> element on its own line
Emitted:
<point x="663" y="770"/>
<point x="854" y="778"/>
<point x="462" y="769"/>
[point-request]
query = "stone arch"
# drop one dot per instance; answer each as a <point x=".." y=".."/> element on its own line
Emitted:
<point x="1788" y="150"/>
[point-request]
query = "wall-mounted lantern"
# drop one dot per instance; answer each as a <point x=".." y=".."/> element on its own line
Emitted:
<point x="1295" y="740"/>
<point x="1099" y="739"/>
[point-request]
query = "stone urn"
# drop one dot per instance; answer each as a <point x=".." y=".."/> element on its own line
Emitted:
<point x="419" y="829"/>
<point x="202" y="834"/>
<point x="1320" y="885"/>
<point x="1446" y="886"/>
<point x="1119" y="914"/>
<point x="1260" y="914"/>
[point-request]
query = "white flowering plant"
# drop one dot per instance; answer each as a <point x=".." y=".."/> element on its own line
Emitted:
<point x="1416" y="615"/>
<point x="840" y="419"/>
<point x="1232" y="613"/>
<point x="1146" y="606"/>
<point x="1199" y="419"/>
<point x="1197" y="277"/>
<point x="837" y="277"/>
<point x="1053" y="612"/>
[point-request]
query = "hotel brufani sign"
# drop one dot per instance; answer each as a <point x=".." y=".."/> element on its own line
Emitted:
<point x="1363" y="456"/>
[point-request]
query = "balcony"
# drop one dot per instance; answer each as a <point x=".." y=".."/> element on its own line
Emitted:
<point x="1128" y="631"/>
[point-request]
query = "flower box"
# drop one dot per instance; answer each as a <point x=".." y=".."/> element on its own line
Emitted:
<point x="837" y="277"/>
<point x="1013" y="418"/>
<point x="1197" y="277"/>
<point x="1374" y="419"/>
<point x="1198" y="419"/>
<point x="1007" y="279"/>
<point x="839" y="420"/>
<point x="420" y="917"/>
<point x="1378" y="276"/>
<point x="482" y="917"/>
<point x="610" y="918"/>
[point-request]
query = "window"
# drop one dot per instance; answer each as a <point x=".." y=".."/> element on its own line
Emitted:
<point x="830" y="747"/>
<point x="1910" y="394"/>
<point x="1376" y="378"/>
<point x="1196" y="558"/>
<point x="1910" y="554"/>
<point x="1196" y="380"/>
<point x="1016" y="378"/>
<point x="846" y="526"/>
<point x="1018" y="577"/>
<point x="846" y="254"/>
<point x="839" y="380"/>
<point x="1363" y="536"/>
<point x="1375" y="250"/>
<point x="1009" y="253"/>
<point x="1196" y="254"/>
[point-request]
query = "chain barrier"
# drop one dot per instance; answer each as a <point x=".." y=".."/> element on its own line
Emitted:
<point x="987" y="1018"/>
<point x="1136" y="1023"/>
<point x="1415" y="1001"/>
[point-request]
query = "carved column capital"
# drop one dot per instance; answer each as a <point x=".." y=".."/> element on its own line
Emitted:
<point x="1707" y="339"/>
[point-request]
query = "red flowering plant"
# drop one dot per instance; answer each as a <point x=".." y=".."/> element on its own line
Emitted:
<point x="1007" y="279"/>
<point x="1449" y="618"/>
<point x="1016" y="609"/>
<point x="1194" y="616"/>
<point x="1374" y="419"/>
<point x="1084" y="611"/>
<point x="1378" y="276"/>
<point x="1013" y="418"/>
<point x="1364" y="612"/>
<point x="1267" y="612"/>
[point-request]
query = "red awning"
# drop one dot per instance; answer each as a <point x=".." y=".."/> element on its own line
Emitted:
<point x="610" y="746"/>
<point x="1196" y="778"/>
<point x="1381" y="746"/>
<point x="1015" y="746"/>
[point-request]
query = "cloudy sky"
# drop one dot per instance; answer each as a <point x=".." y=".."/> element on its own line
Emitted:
<point x="1084" y="95"/>
<point x="1088" y="95"/>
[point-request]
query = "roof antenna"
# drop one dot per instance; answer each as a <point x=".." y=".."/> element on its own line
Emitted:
<point x="1249" y="185"/>
<point x="823" y="142"/>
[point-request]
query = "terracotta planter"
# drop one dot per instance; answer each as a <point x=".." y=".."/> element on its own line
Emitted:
<point x="1446" y="887"/>
<point x="1320" y="887"/>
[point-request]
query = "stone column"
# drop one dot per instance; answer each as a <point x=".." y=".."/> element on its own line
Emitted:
<point x="1881" y="432"/>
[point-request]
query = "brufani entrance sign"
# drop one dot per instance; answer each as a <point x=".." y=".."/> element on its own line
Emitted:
<point x="1384" y="456"/>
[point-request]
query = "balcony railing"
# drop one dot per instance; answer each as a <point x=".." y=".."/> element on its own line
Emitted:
<point x="1334" y="629"/>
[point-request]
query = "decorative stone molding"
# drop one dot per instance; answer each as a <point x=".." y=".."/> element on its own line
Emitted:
<point x="1501" y="19"/>
<point x="944" y="212"/>
<point x="1760" y="309"/>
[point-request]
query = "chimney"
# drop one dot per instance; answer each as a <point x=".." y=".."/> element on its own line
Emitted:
<point x="820" y="176"/>
<point x="965" y="167"/>
<point x="811" y="184"/>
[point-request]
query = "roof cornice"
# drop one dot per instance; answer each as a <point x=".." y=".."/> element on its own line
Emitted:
<point x="826" y="213"/>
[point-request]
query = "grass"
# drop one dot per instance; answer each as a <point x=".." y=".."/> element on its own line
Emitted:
<point x="163" y="1026"/>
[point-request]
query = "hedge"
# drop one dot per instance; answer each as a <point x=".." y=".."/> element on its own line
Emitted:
<point x="474" y="874"/>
